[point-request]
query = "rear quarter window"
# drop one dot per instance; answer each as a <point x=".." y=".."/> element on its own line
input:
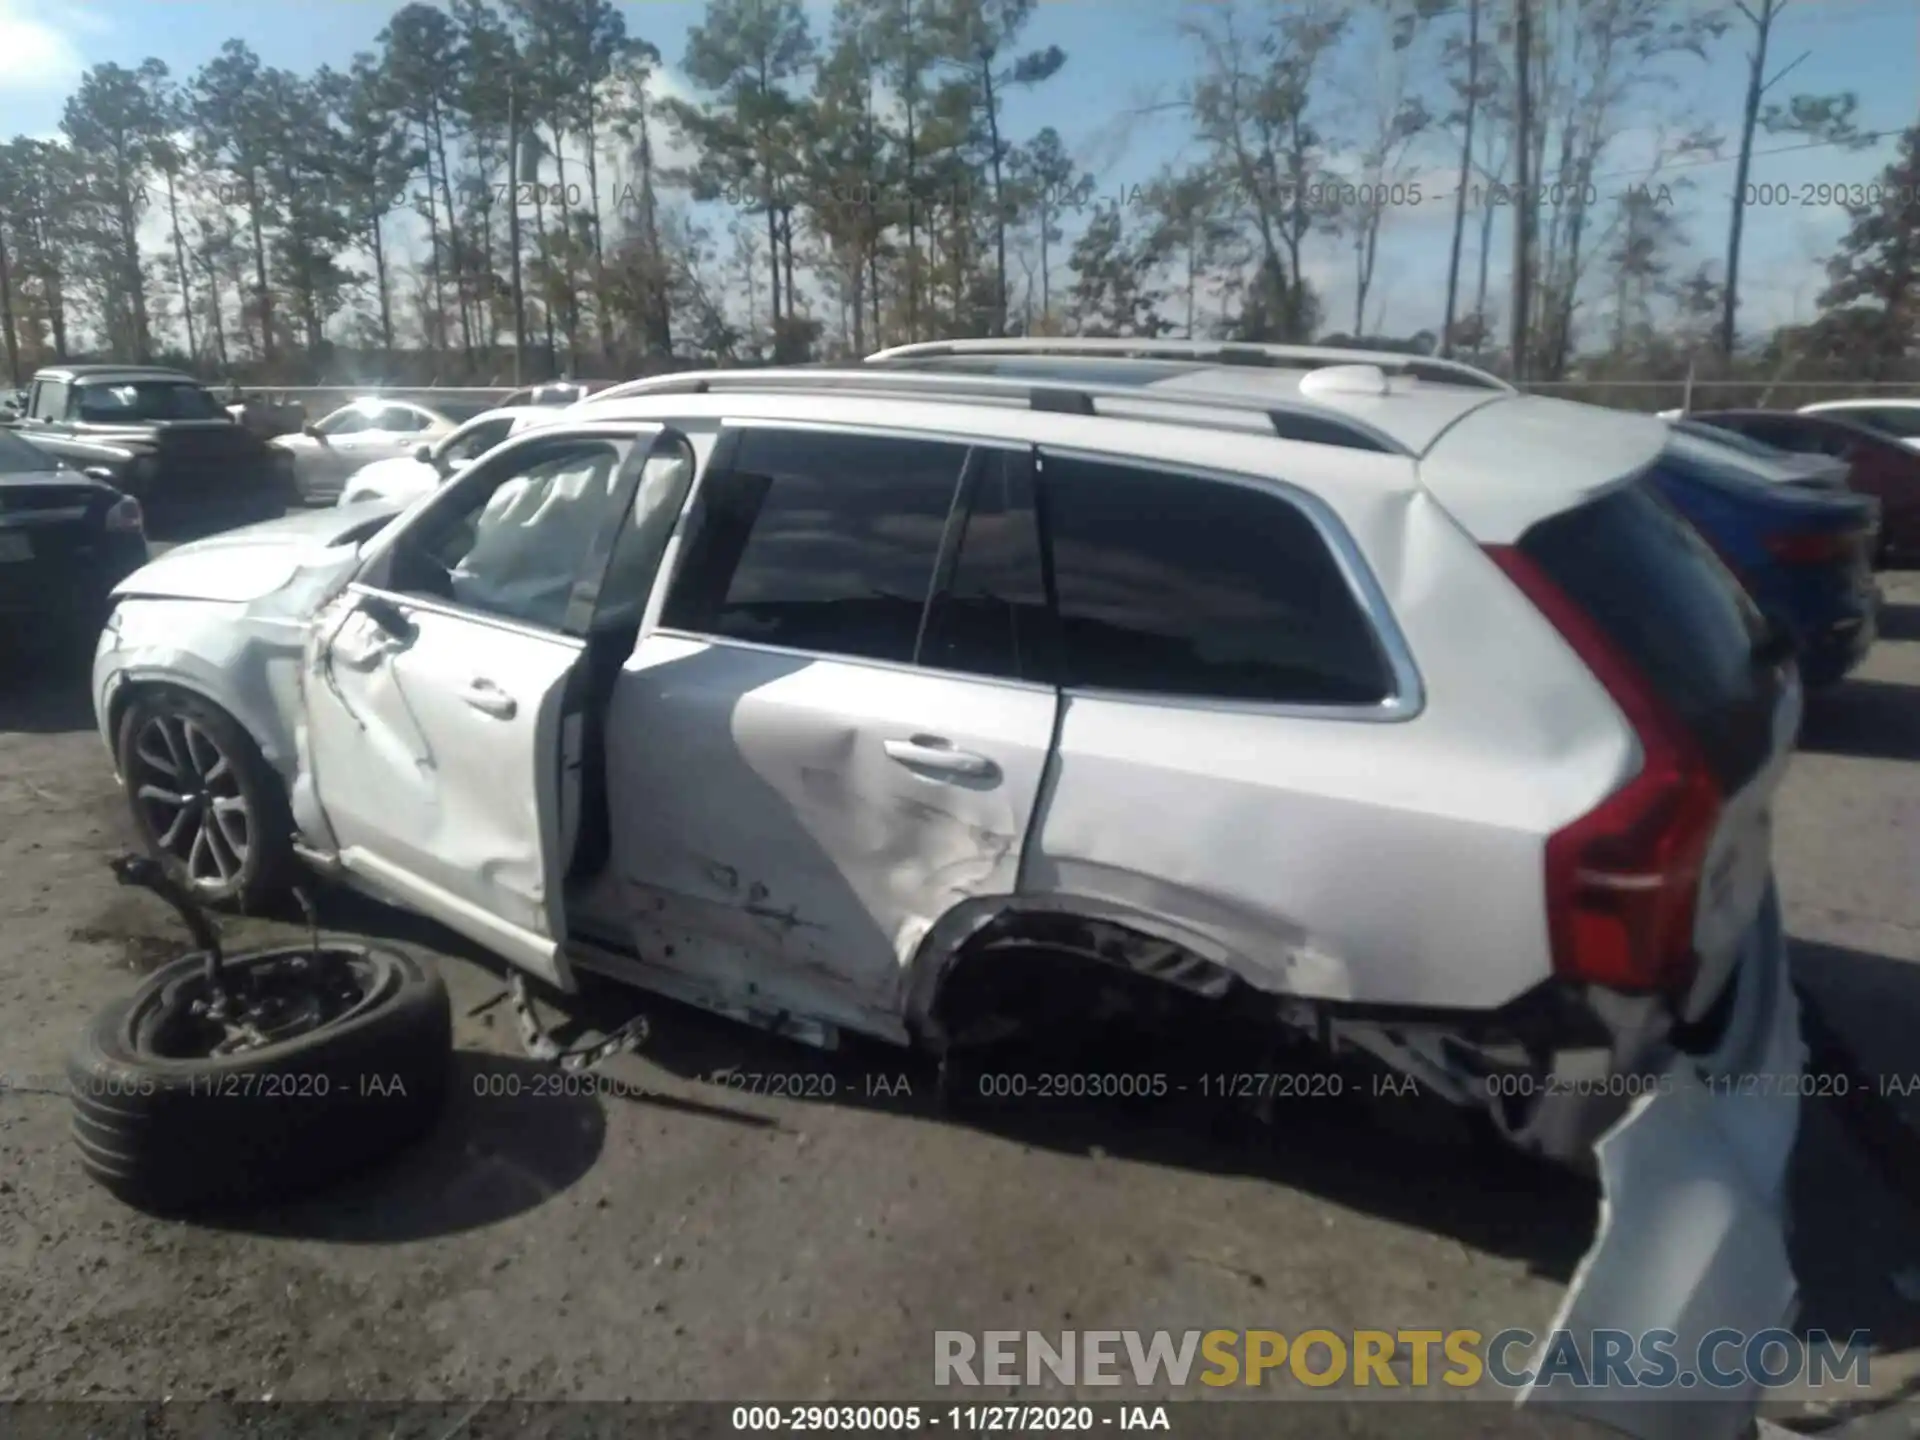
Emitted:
<point x="1184" y="585"/>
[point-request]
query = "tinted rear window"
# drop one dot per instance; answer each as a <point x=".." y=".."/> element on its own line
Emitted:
<point x="1652" y="584"/>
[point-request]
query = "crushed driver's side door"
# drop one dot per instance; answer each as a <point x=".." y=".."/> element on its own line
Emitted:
<point x="437" y="686"/>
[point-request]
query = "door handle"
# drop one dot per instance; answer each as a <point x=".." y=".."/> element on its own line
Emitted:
<point x="933" y="752"/>
<point x="489" y="699"/>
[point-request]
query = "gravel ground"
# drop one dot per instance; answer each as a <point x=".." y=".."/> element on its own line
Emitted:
<point x="691" y="1239"/>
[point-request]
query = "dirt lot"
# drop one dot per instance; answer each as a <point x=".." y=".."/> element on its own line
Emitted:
<point x="694" y="1239"/>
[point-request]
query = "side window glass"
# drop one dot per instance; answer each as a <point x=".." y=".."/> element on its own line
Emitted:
<point x="399" y="420"/>
<point x="350" y="421"/>
<point x="1901" y="423"/>
<point x="1180" y="585"/>
<point x="1800" y="439"/>
<point x="1818" y="439"/>
<point x="990" y="618"/>
<point x="515" y="545"/>
<point x="49" y="400"/>
<point x="819" y="541"/>
<point x="665" y="478"/>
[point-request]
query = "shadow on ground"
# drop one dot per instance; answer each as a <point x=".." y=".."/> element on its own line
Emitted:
<point x="1867" y="719"/>
<point x="1899" y="622"/>
<point x="43" y="685"/>
<point x="1857" y="1174"/>
<point x="512" y="1138"/>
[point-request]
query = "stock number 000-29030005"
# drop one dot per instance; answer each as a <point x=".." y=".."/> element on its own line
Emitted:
<point x="893" y="1419"/>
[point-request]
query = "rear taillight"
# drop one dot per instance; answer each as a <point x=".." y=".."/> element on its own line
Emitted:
<point x="1810" y="547"/>
<point x="1623" y="881"/>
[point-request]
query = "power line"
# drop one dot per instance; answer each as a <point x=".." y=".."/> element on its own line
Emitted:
<point x="1866" y="136"/>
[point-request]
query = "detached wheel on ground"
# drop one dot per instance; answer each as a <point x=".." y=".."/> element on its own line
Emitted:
<point x="318" y="1062"/>
<point x="205" y="802"/>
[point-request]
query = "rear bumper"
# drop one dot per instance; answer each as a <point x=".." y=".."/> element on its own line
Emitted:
<point x="1693" y="1224"/>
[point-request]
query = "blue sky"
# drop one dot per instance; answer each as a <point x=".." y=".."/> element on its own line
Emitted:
<point x="1126" y="55"/>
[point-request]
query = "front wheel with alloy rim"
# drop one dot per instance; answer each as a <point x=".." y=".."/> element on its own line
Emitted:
<point x="205" y="802"/>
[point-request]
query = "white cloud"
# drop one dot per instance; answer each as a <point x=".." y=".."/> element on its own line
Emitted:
<point x="34" y="55"/>
<point x="87" y="22"/>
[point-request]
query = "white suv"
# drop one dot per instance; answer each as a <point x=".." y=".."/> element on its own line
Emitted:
<point x="1386" y="700"/>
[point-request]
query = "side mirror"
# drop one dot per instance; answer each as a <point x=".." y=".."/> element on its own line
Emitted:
<point x="312" y="432"/>
<point x="424" y="454"/>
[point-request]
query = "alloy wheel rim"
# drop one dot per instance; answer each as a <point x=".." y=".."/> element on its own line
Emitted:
<point x="190" y="800"/>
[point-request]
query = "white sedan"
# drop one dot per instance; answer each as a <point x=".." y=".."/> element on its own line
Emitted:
<point x="407" y="477"/>
<point x="328" y="451"/>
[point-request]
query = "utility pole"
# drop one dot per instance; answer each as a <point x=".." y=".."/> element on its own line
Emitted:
<point x="1523" y="199"/>
<point x="513" y="224"/>
<point x="1466" y="177"/>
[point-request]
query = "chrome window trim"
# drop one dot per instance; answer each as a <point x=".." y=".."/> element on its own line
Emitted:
<point x="1408" y="693"/>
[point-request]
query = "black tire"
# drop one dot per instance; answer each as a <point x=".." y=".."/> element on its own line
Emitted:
<point x="263" y="875"/>
<point x="170" y="1135"/>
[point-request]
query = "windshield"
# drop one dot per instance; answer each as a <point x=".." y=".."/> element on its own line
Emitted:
<point x="18" y="457"/>
<point x="139" y="400"/>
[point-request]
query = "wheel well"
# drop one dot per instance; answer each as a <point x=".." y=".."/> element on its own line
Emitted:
<point x="1037" y="967"/>
<point x="125" y="694"/>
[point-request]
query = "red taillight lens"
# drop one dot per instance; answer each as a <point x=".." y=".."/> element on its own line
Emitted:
<point x="1810" y="548"/>
<point x="1623" y="880"/>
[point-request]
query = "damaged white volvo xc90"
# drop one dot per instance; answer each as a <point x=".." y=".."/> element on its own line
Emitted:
<point x="1374" y="694"/>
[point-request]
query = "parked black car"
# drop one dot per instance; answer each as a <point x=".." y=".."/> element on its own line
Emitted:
<point x="161" y="437"/>
<point x="65" y="541"/>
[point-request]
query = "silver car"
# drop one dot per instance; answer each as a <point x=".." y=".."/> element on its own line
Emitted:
<point x="330" y="450"/>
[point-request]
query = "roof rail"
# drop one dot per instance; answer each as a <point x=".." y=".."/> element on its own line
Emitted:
<point x="1287" y="421"/>
<point x="1220" y="352"/>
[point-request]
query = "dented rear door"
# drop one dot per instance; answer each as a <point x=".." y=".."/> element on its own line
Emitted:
<point x="829" y="740"/>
